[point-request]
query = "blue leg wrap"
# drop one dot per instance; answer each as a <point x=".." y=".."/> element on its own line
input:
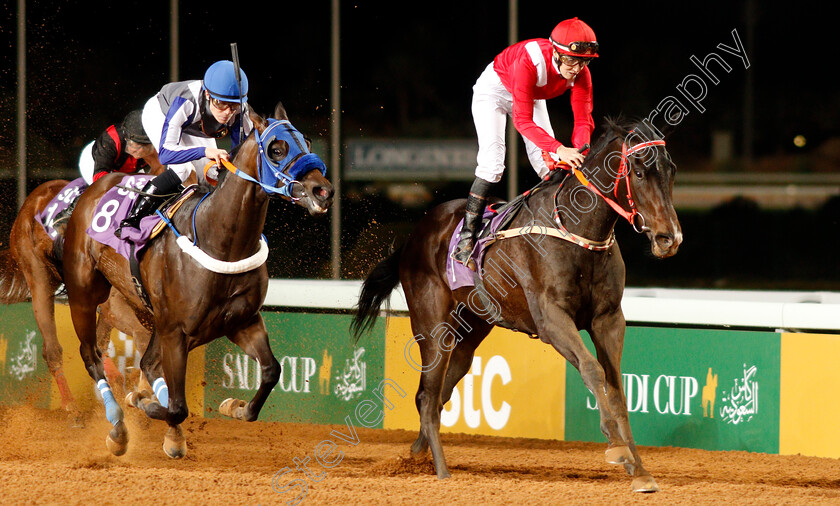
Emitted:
<point x="113" y="412"/>
<point x="161" y="392"/>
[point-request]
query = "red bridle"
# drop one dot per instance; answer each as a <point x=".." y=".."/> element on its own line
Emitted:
<point x="623" y="171"/>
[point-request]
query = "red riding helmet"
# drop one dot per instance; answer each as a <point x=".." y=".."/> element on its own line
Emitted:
<point x="573" y="37"/>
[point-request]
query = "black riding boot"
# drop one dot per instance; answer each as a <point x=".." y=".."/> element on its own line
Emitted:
<point x="149" y="198"/>
<point x="476" y="202"/>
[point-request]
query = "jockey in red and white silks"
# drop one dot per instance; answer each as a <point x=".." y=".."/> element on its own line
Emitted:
<point x="517" y="83"/>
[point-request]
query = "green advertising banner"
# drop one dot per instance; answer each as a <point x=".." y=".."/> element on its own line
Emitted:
<point x="325" y="375"/>
<point x="707" y="389"/>
<point x="24" y="376"/>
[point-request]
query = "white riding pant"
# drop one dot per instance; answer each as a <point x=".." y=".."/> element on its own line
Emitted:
<point x="153" y="120"/>
<point x="491" y="105"/>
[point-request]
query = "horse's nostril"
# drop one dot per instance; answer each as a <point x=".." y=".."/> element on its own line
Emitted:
<point x="664" y="240"/>
<point x="323" y="192"/>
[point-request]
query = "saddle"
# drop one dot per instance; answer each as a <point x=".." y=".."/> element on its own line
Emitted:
<point x="497" y="219"/>
<point x="56" y="213"/>
<point x="114" y="206"/>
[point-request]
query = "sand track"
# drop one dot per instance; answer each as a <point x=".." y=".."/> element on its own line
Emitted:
<point x="43" y="460"/>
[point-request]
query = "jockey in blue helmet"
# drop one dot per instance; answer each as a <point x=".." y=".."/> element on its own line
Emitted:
<point x="183" y="121"/>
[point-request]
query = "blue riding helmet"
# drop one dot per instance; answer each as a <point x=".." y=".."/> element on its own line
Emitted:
<point x="220" y="81"/>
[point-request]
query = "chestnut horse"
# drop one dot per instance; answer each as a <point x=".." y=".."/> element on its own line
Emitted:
<point x="31" y="269"/>
<point x="191" y="304"/>
<point x="536" y="282"/>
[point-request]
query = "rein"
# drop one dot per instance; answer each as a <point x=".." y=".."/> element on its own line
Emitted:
<point x="233" y="169"/>
<point x="561" y="232"/>
<point x="623" y="172"/>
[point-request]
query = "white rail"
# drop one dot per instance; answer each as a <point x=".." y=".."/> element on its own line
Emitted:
<point x="793" y="311"/>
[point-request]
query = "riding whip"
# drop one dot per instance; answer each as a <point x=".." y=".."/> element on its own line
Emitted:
<point x="234" y="52"/>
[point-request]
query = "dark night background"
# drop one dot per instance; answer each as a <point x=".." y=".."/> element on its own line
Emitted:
<point x="408" y="73"/>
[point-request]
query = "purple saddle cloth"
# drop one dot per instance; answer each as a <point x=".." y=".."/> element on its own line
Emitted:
<point x="59" y="203"/>
<point x="113" y="207"/>
<point x="459" y="275"/>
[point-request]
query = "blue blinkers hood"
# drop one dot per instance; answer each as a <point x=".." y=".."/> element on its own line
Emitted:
<point x="297" y="162"/>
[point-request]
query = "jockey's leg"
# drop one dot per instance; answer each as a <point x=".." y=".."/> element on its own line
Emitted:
<point x="491" y="104"/>
<point x="149" y="198"/>
<point x="476" y="202"/>
<point x="534" y="152"/>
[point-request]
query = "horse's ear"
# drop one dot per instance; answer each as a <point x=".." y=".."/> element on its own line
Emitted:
<point x="260" y="123"/>
<point x="666" y="129"/>
<point x="280" y="112"/>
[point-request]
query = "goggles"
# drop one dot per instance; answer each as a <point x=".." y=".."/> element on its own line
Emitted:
<point x="224" y="106"/>
<point x="571" y="61"/>
<point x="579" y="48"/>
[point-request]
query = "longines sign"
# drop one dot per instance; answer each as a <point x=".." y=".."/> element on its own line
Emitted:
<point x="410" y="159"/>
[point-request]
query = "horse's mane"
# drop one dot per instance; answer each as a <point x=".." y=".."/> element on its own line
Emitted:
<point x="235" y="150"/>
<point x="619" y="127"/>
<point x="613" y="128"/>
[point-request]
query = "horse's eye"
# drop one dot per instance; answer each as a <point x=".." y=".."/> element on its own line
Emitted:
<point x="275" y="153"/>
<point x="639" y="173"/>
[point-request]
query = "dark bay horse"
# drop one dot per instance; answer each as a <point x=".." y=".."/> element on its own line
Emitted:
<point x="31" y="269"/>
<point x="537" y="283"/>
<point x="191" y="304"/>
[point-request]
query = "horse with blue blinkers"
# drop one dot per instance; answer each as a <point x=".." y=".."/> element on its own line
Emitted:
<point x="216" y="289"/>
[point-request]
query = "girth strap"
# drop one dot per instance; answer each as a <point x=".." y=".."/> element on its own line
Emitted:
<point x="560" y="234"/>
<point x="134" y="263"/>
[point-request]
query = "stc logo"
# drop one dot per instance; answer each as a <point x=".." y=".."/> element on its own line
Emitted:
<point x="477" y="387"/>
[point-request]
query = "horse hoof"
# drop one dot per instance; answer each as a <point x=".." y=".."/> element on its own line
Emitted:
<point x="444" y="474"/>
<point x="645" y="484"/>
<point x="117" y="440"/>
<point x="133" y="399"/>
<point x="174" y="443"/>
<point x="233" y="408"/>
<point x="619" y="455"/>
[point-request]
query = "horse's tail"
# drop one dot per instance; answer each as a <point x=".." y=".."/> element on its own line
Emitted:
<point x="13" y="287"/>
<point x="376" y="289"/>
